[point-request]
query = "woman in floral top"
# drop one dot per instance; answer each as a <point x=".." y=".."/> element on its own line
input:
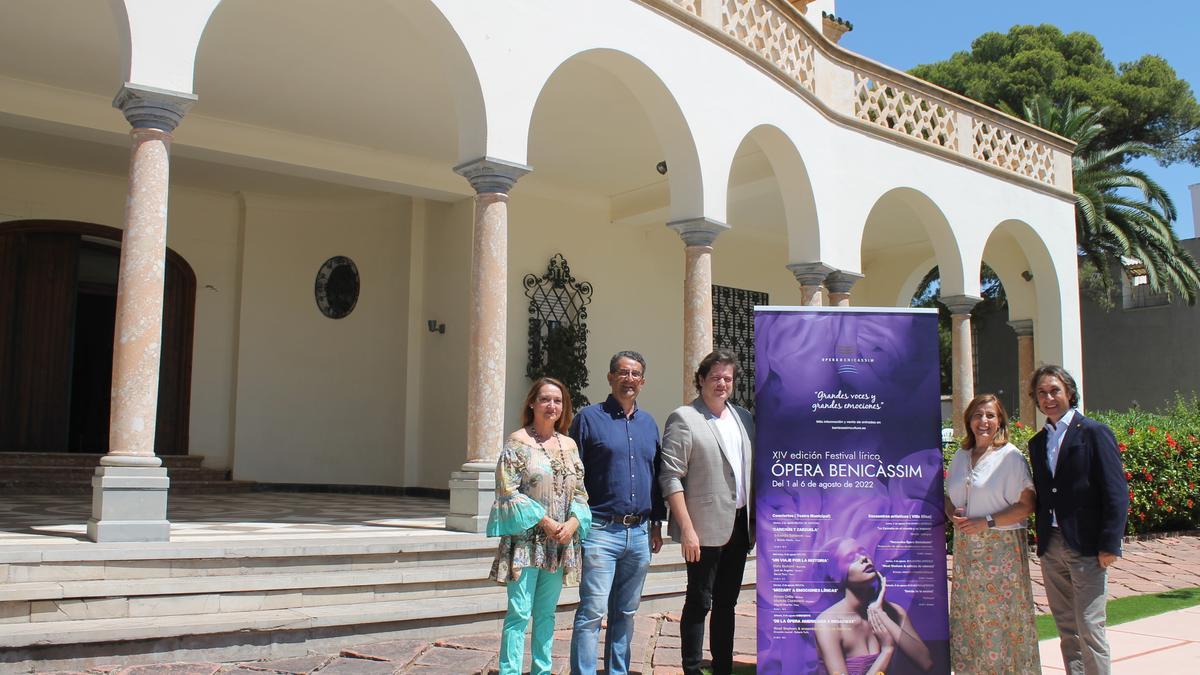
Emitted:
<point x="541" y="513"/>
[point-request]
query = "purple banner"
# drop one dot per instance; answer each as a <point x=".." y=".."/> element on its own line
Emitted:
<point x="848" y="476"/>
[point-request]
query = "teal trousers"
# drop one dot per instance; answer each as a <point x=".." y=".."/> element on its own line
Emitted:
<point x="534" y="593"/>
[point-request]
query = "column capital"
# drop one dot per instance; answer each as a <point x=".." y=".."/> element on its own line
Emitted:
<point x="810" y="273"/>
<point x="1022" y="327"/>
<point x="488" y="174"/>
<point x="698" y="231"/>
<point x="841" y="282"/>
<point x="152" y="108"/>
<point x="960" y="304"/>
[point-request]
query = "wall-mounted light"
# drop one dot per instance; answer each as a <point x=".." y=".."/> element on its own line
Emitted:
<point x="1027" y="275"/>
<point x="435" y="327"/>
<point x="661" y="167"/>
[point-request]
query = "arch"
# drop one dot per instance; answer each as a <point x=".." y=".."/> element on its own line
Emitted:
<point x="1044" y="304"/>
<point x="799" y="202"/>
<point x="684" y="176"/>
<point x="425" y="99"/>
<point x="174" y="398"/>
<point x="905" y="218"/>
<point x="461" y="74"/>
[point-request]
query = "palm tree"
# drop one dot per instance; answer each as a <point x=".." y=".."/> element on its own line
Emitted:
<point x="1120" y="212"/>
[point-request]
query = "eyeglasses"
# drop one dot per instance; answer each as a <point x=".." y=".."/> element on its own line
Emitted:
<point x="627" y="374"/>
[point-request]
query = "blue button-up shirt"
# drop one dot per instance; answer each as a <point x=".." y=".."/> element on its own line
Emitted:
<point x="620" y="461"/>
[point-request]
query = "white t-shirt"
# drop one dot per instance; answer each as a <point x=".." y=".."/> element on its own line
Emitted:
<point x="995" y="483"/>
<point x="731" y="438"/>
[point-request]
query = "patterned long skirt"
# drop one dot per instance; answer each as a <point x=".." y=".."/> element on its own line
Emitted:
<point x="991" y="605"/>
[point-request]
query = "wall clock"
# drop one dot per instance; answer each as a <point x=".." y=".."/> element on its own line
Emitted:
<point x="337" y="286"/>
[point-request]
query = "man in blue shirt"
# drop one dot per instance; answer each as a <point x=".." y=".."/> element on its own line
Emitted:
<point x="619" y="446"/>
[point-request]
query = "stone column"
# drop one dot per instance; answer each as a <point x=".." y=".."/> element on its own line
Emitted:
<point x="810" y="275"/>
<point x="839" y="284"/>
<point x="698" y="235"/>
<point x="962" y="364"/>
<point x="129" y="490"/>
<point x="473" y="488"/>
<point x="1024" y="331"/>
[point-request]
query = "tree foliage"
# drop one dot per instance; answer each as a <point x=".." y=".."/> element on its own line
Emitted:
<point x="1120" y="212"/>
<point x="1143" y="101"/>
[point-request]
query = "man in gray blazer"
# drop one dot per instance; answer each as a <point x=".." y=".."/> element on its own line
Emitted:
<point x="706" y="478"/>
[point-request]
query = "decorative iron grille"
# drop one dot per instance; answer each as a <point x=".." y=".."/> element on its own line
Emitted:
<point x="733" y="328"/>
<point x="558" y="327"/>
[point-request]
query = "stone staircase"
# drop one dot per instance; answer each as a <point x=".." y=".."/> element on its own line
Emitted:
<point x="74" y="606"/>
<point x="69" y="473"/>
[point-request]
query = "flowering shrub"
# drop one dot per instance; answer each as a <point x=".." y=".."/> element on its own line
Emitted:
<point x="1161" y="456"/>
<point x="1160" y="453"/>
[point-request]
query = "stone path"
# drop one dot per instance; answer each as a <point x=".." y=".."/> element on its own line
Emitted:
<point x="1148" y="566"/>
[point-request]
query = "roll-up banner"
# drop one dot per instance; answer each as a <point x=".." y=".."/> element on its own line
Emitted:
<point x="848" y="476"/>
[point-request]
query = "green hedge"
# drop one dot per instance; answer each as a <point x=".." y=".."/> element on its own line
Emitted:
<point x="1161" y="455"/>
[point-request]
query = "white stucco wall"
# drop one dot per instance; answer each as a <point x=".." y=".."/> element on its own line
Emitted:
<point x="321" y="400"/>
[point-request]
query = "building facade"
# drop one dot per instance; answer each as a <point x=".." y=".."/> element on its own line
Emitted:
<point x="449" y="148"/>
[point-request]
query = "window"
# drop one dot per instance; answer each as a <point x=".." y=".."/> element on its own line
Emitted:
<point x="1136" y="293"/>
<point x="733" y="328"/>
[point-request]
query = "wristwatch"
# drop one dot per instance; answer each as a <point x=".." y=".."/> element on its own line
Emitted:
<point x="991" y="520"/>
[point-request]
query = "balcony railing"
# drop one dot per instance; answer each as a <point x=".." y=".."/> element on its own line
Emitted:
<point x="876" y="98"/>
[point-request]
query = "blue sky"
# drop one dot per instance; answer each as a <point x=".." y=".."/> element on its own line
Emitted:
<point x="905" y="34"/>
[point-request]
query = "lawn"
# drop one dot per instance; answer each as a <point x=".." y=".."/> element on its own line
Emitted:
<point x="1131" y="608"/>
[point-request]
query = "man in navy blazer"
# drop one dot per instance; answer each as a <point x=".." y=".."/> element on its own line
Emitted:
<point x="1082" y="503"/>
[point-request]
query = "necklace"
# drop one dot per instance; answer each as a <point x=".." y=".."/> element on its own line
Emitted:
<point x="560" y="472"/>
<point x="556" y="459"/>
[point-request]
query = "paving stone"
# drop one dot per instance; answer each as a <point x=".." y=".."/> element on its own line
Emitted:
<point x="463" y="660"/>
<point x="171" y="669"/>
<point x="419" y="669"/>
<point x="300" y="665"/>
<point x="667" y="656"/>
<point x="667" y="642"/>
<point x="562" y="648"/>
<point x="745" y="660"/>
<point x="348" y="666"/>
<point x="399" y="652"/>
<point x="485" y="642"/>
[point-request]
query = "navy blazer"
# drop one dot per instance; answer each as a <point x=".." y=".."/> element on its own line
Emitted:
<point x="1088" y="492"/>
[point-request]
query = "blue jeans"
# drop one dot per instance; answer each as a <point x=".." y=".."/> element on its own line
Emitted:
<point x="615" y="561"/>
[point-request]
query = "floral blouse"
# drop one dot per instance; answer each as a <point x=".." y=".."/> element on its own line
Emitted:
<point x="532" y="483"/>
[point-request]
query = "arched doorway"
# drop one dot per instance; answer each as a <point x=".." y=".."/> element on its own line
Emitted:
<point x="58" y="288"/>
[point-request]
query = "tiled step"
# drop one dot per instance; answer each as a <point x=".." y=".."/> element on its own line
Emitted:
<point x="463" y="577"/>
<point x="121" y="587"/>
<point x="73" y="607"/>
<point x="71" y="473"/>
<point x="85" y="473"/>
<point x="358" y="616"/>
<point x="12" y="459"/>
<point x="56" y="487"/>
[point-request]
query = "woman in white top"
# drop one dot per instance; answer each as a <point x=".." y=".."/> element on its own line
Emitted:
<point x="989" y="496"/>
